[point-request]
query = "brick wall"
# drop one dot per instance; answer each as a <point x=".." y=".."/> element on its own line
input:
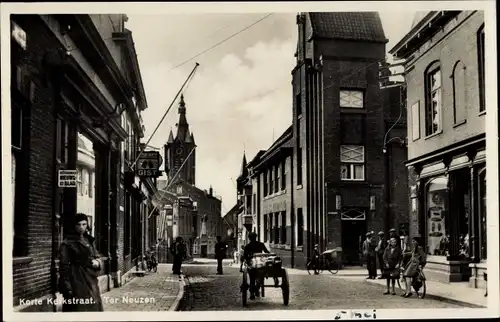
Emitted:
<point x="32" y="280"/>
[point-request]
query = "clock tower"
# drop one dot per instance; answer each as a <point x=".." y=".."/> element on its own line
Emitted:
<point x="180" y="154"/>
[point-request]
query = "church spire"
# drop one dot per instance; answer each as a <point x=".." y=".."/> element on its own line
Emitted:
<point x="170" y="137"/>
<point x="182" y="125"/>
<point x="244" y="170"/>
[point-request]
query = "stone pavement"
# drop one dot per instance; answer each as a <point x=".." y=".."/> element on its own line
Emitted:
<point x="459" y="293"/>
<point x="160" y="291"/>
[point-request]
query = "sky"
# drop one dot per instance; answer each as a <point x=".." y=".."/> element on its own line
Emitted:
<point x="239" y="100"/>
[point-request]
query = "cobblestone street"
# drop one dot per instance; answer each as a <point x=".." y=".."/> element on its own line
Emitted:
<point x="207" y="291"/>
<point x="153" y="292"/>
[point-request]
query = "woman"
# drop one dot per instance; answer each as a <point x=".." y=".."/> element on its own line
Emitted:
<point x="392" y="257"/>
<point x="416" y="262"/>
<point x="79" y="269"/>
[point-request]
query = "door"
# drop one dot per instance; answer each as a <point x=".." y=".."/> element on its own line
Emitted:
<point x="204" y="249"/>
<point x="353" y="234"/>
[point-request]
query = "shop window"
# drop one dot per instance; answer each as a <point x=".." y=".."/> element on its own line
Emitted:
<point x="481" y="67"/>
<point x="352" y="160"/>
<point x="437" y="228"/>
<point x="300" y="227"/>
<point x="433" y="99"/>
<point x="283" y="227"/>
<point x="483" y="229"/>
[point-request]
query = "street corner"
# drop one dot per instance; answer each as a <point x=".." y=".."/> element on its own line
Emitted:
<point x="180" y="294"/>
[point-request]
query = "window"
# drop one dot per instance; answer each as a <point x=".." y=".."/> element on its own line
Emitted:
<point x="300" y="227"/>
<point x="298" y="104"/>
<point x="276" y="228"/>
<point x="351" y="98"/>
<point x="415" y="121"/>
<point x="277" y="173"/>
<point x="437" y="228"/>
<point x="266" y="232"/>
<point x="254" y="202"/>
<point x="91" y="184"/>
<point x="459" y="93"/>
<point x="271" y="187"/>
<point x="283" y="175"/>
<point x="264" y="176"/>
<point x="271" y="228"/>
<point x="482" y="66"/>
<point x="482" y="215"/>
<point x="79" y="181"/>
<point x="85" y="182"/>
<point x="299" y="166"/>
<point x="352" y="158"/>
<point x="283" y="227"/>
<point x="433" y="99"/>
<point x="179" y="192"/>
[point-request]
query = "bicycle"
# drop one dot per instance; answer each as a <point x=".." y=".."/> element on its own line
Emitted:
<point x="327" y="261"/>
<point x="151" y="262"/>
<point x="417" y="282"/>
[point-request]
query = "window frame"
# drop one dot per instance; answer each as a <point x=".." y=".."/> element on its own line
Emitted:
<point x="300" y="227"/>
<point x="352" y="164"/>
<point x="415" y="118"/>
<point x="299" y="167"/>
<point x="352" y="91"/>
<point x="481" y="59"/>
<point x="283" y="176"/>
<point x="433" y="69"/>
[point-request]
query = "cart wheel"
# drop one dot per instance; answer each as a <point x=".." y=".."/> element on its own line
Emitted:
<point x="285" y="287"/>
<point x="244" y="289"/>
<point x="155" y="268"/>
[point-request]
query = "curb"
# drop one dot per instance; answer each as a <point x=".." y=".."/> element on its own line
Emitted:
<point x="180" y="294"/>
<point x="443" y="299"/>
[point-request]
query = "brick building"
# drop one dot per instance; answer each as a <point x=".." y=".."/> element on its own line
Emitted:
<point x="60" y="92"/>
<point x="445" y="77"/>
<point x="197" y="212"/>
<point x="341" y="115"/>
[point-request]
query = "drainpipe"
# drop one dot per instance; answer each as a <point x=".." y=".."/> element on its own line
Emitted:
<point x="292" y="215"/>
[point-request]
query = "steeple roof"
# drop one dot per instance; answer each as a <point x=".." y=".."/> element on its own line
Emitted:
<point x="170" y="137"/>
<point x="244" y="170"/>
<point x="182" y="125"/>
<point x="192" y="138"/>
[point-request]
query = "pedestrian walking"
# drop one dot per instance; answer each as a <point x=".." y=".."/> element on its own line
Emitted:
<point x="179" y="253"/>
<point x="392" y="258"/>
<point x="79" y="268"/>
<point x="416" y="262"/>
<point x="370" y="255"/>
<point x="381" y="246"/>
<point x="220" y="253"/>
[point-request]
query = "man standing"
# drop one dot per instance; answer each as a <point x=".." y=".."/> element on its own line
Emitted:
<point x="370" y="255"/>
<point x="220" y="253"/>
<point x="380" y="252"/>
<point x="178" y="250"/>
<point x="315" y="259"/>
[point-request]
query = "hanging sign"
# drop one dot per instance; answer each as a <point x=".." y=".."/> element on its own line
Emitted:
<point x="149" y="164"/>
<point x="67" y="178"/>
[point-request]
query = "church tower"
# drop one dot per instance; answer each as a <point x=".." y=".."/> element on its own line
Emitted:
<point x="181" y="149"/>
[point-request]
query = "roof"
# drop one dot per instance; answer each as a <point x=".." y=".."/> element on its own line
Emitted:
<point x="348" y="25"/>
<point x="283" y="142"/>
<point x="417" y="17"/>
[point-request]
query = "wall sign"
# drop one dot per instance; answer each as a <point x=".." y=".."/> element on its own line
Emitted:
<point x="67" y="178"/>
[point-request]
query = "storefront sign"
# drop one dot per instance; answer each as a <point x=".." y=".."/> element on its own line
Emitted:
<point x="67" y="178"/>
<point x="19" y="35"/>
<point x="149" y="164"/>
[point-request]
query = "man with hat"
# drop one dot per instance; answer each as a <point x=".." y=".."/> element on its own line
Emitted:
<point x="253" y="247"/>
<point x="370" y="256"/>
<point x="380" y="252"/>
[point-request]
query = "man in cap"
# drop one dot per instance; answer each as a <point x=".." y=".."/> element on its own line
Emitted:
<point x="369" y="254"/>
<point x="253" y="247"/>
<point x="315" y="259"/>
<point x="380" y="252"/>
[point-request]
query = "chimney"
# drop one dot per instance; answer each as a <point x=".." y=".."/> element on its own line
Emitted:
<point x="211" y="191"/>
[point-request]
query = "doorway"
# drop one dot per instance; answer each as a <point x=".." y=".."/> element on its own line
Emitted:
<point x="204" y="251"/>
<point x="353" y="234"/>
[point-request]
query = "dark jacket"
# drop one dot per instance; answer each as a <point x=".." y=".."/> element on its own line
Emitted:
<point x="220" y="250"/>
<point x="254" y="247"/>
<point x="392" y="258"/>
<point x="369" y="248"/>
<point x="78" y="279"/>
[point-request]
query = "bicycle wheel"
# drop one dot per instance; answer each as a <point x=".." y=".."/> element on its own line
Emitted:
<point x="310" y="268"/>
<point x="333" y="266"/>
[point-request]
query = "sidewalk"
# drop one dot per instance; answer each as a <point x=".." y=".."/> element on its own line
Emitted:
<point x="456" y="293"/>
<point x="160" y="291"/>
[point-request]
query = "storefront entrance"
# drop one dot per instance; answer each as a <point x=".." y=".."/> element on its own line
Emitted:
<point x="353" y="233"/>
<point x="204" y="250"/>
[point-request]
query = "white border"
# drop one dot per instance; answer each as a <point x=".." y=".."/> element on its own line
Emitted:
<point x="149" y="8"/>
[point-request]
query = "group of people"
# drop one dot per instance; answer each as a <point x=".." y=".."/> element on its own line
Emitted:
<point x="392" y="257"/>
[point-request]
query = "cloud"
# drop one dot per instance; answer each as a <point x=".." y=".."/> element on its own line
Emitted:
<point x="232" y="104"/>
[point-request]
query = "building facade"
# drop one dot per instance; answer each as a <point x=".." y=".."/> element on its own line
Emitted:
<point x="61" y="93"/>
<point x="445" y="78"/>
<point x="343" y="120"/>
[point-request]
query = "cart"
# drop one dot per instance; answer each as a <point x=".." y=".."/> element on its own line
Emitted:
<point x="265" y="266"/>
